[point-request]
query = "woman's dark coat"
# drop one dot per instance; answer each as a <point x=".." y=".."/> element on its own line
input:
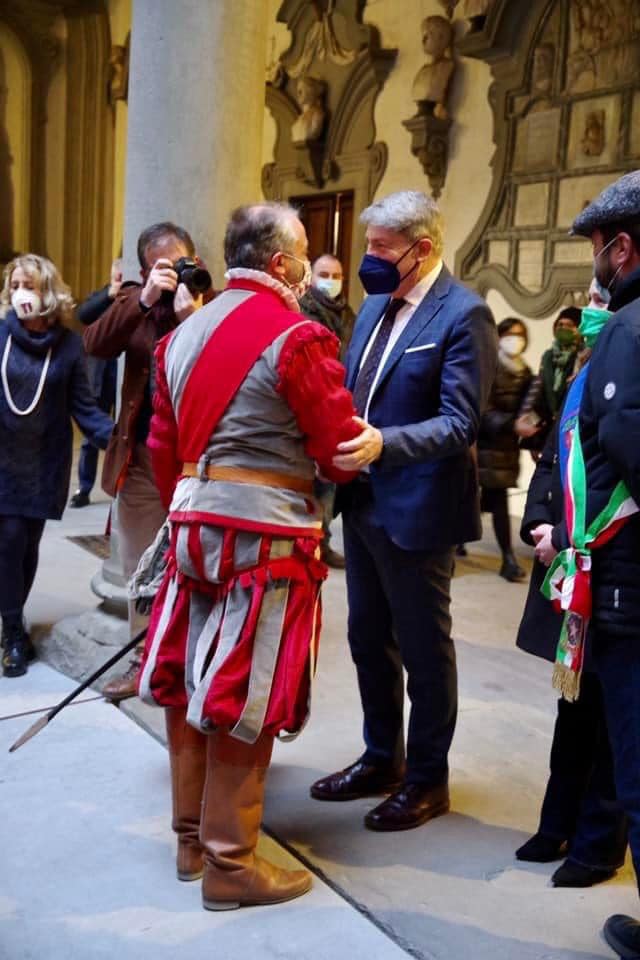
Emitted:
<point x="540" y="625"/>
<point x="35" y="450"/>
<point x="498" y="449"/>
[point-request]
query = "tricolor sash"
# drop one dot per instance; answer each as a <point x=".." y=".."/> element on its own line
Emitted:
<point x="568" y="580"/>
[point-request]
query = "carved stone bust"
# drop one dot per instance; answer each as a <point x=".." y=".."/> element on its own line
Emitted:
<point x="431" y="85"/>
<point x="310" y="124"/>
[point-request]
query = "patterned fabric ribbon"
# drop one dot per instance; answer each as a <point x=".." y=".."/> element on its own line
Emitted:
<point x="568" y="580"/>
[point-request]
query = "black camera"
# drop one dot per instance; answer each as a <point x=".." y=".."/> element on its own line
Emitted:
<point x="195" y="278"/>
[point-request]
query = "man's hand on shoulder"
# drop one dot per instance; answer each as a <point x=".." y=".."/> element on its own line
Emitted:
<point x="364" y="449"/>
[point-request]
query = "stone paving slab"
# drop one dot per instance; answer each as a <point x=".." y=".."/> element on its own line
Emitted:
<point x="453" y="887"/>
<point x="88" y="856"/>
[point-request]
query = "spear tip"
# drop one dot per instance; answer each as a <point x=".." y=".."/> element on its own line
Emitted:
<point x="36" y="727"/>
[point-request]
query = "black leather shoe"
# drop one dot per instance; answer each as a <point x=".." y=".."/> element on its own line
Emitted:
<point x="359" y="780"/>
<point x="622" y="933"/>
<point x="14" y="658"/>
<point x="572" y="874"/>
<point x="79" y="499"/>
<point x="541" y="848"/>
<point x="511" y="570"/>
<point x="411" y="806"/>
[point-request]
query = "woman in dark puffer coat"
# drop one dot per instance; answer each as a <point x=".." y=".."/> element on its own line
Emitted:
<point x="43" y="384"/>
<point x="498" y="450"/>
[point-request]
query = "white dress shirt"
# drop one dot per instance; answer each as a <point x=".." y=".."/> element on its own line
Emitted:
<point x="414" y="297"/>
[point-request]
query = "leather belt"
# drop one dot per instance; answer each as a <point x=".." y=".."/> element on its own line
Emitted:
<point x="262" y="478"/>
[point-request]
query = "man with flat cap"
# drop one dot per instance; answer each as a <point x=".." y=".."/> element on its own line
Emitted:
<point x="594" y="553"/>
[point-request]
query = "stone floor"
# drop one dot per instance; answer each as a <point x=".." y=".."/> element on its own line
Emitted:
<point x="86" y="849"/>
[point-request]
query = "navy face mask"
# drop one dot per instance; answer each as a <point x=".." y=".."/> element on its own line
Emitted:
<point x="382" y="276"/>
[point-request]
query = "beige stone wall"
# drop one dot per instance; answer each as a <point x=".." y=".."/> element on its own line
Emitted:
<point x="471" y="147"/>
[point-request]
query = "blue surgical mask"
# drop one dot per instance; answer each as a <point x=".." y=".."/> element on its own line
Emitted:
<point x="382" y="276"/>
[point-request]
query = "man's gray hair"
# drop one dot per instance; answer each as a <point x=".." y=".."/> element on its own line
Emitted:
<point x="256" y="232"/>
<point x="409" y="212"/>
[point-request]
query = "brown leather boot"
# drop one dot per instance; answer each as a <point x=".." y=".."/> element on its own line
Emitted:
<point x="234" y="875"/>
<point x="126" y="685"/>
<point x="188" y="759"/>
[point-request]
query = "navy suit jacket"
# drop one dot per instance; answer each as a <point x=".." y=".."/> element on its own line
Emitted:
<point x="427" y="403"/>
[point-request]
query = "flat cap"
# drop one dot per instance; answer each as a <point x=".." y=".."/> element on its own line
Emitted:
<point x="619" y="201"/>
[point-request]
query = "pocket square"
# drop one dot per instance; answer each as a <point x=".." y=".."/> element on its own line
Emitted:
<point x="425" y="346"/>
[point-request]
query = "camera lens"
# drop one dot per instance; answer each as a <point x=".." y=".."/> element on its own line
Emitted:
<point x="200" y="279"/>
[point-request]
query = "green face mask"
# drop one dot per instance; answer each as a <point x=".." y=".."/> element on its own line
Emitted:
<point x="593" y="320"/>
<point x="565" y="336"/>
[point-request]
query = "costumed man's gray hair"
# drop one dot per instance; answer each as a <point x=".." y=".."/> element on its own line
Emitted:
<point x="256" y="232"/>
<point x="409" y="212"/>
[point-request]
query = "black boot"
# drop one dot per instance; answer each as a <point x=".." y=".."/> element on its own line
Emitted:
<point x="510" y="568"/>
<point x="572" y="874"/>
<point x="623" y="935"/>
<point x="541" y="848"/>
<point x="29" y="647"/>
<point x="15" y="654"/>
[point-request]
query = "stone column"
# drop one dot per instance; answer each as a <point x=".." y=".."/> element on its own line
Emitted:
<point x="194" y="142"/>
<point x="196" y="109"/>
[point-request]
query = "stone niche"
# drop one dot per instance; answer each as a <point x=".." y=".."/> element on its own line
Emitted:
<point x="322" y="94"/>
<point x="566" y="123"/>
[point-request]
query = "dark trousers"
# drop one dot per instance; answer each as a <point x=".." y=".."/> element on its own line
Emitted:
<point x="617" y="663"/>
<point x="399" y="604"/>
<point x="496" y="503"/>
<point x="102" y="379"/>
<point x="19" y="544"/>
<point x="580" y="804"/>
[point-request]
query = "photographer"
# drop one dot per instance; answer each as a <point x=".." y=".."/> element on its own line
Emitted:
<point x="140" y="316"/>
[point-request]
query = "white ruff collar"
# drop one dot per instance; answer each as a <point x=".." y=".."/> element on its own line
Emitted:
<point x="259" y="276"/>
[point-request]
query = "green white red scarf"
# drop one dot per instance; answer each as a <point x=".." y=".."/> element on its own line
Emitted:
<point x="568" y="580"/>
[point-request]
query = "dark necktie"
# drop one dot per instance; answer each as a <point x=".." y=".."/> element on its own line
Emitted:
<point x="369" y="368"/>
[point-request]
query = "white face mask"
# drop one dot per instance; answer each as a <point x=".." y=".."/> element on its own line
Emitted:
<point x="300" y="287"/>
<point x="513" y="344"/>
<point x="26" y="303"/>
<point x="329" y="286"/>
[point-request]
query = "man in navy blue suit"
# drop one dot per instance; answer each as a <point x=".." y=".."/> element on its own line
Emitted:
<point x="420" y="366"/>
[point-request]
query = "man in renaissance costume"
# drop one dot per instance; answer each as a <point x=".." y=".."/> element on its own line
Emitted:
<point x="249" y="398"/>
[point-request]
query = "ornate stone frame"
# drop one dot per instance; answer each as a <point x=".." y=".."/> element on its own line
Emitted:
<point x="506" y="43"/>
<point x="348" y="157"/>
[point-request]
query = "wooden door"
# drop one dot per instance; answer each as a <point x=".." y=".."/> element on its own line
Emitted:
<point x="328" y="220"/>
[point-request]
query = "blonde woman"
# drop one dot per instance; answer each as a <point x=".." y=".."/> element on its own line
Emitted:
<point x="43" y="385"/>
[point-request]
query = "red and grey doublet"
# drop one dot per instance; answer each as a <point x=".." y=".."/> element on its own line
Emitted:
<point x="249" y="397"/>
